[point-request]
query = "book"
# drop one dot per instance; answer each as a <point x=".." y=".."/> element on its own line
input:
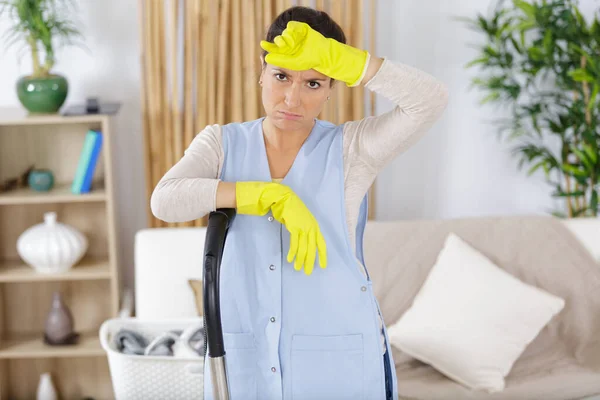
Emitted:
<point x="90" y="147"/>
<point x="86" y="186"/>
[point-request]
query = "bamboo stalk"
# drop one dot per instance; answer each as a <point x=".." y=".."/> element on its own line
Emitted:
<point x="167" y="150"/>
<point x="165" y="131"/>
<point x="588" y="114"/>
<point x="337" y="107"/>
<point x="202" y="90"/>
<point x="357" y="37"/>
<point x="143" y="32"/>
<point x="326" y="113"/>
<point x="261" y="34"/>
<point x="222" y="57"/>
<point x="267" y="13"/>
<point x="237" y="111"/>
<point x="213" y="26"/>
<point x="280" y="7"/>
<point x="155" y="133"/>
<point x="177" y="115"/>
<point x="188" y="66"/>
<point x="372" y="102"/>
<point x="198" y="67"/>
<point x="372" y="45"/>
<point x="248" y="62"/>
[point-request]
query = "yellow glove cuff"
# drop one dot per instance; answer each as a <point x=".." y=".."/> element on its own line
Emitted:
<point x="347" y="63"/>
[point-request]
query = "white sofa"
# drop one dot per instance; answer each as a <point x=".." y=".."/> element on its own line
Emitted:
<point x="166" y="258"/>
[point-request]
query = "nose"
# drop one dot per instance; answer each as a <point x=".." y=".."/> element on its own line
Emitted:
<point x="292" y="95"/>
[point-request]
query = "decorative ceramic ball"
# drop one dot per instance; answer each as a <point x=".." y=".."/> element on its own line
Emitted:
<point x="51" y="247"/>
<point x="41" y="180"/>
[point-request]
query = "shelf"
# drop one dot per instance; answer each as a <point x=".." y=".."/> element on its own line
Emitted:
<point x="20" y="117"/>
<point x="34" y="347"/>
<point x="59" y="194"/>
<point x="16" y="271"/>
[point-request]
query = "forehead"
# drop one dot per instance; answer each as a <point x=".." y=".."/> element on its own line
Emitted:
<point x="310" y="74"/>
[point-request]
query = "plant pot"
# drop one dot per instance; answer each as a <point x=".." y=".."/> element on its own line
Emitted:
<point x="42" y="95"/>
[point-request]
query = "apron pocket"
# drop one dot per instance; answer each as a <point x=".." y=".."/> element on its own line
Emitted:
<point x="327" y="367"/>
<point x="240" y="358"/>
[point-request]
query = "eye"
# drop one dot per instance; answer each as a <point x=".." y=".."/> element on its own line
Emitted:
<point x="280" y="76"/>
<point x="315" y="86"/>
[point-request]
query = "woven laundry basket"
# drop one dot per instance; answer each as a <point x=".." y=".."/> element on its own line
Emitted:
<point x="139" y="377"/>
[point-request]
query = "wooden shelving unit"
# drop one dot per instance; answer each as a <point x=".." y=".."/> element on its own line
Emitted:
<point x="91" y="288"/>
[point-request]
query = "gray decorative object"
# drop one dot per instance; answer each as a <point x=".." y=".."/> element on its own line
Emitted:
<point x="59" y="323"/>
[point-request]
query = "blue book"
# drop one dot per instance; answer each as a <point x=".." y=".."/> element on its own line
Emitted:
<point x="82" y="166"/>
<point x="91" y="166"/>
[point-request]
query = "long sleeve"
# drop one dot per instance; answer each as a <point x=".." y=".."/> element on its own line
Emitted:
<point x="188" y="190"/>
<point x="419" y="101"/>
<point x="371" y="143"/>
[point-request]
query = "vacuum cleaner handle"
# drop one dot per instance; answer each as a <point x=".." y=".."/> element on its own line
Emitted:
<point x="219" y="222"/>
<point x="216" y="233"/>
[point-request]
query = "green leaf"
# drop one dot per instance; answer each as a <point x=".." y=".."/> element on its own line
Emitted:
<point x="527" y="8"/>
<point x="577" y="193"/>
<point x="589" y="150"/>
<point x="573" y="170"/>
<point x="490" y="97"/>
<point x="580" y="212"/>
<point x="581" y="75"/>
<point x="584" y="158"/>
<point x="524" y="27"/>
<point x="548" y="42"/>
<point x="536" y="53"/>
<point x="481" y="60"/>
<point x="536" y="167"/>
<point x="582" y="52"/>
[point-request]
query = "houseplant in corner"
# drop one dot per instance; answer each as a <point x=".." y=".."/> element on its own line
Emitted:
<point x="40" y="26"/>
<point x="541" y="59"/>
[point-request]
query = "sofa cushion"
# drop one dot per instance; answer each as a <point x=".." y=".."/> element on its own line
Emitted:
<point x="471" y="320"/>
<point x="556" y="376"/>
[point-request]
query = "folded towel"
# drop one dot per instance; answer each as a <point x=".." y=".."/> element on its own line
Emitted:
<point x="178" y="343"/>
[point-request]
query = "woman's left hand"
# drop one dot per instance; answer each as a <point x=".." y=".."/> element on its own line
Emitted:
<point x="299" y="47"/>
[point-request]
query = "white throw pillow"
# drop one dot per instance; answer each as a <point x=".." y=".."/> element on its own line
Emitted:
<point x="471" y="320"/>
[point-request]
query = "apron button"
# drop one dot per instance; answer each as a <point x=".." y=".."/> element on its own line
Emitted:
<point x="270" y="219"/>
<point x="273" y="369"/>
<point x="272" y="319"/>
<point x="363" y="288"/>
<point x="272" y="267"/>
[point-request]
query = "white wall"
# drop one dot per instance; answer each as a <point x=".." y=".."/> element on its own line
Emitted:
<point x="458" y="169"/>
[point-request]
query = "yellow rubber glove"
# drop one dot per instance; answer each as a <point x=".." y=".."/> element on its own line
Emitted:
<point x="257" y="198"/>
<point x="299" y="47"/>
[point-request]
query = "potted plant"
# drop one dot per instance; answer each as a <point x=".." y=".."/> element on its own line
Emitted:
<point x="541" y="59"/>
<point x="40" y="25"/>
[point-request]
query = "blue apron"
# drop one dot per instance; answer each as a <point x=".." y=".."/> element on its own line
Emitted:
<point x="288" y="335"/>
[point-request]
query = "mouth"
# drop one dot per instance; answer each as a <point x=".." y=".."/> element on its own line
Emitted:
<point x="288" y="115"/>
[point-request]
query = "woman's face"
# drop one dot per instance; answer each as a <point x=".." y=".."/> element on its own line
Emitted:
<point x="292" y="99"/>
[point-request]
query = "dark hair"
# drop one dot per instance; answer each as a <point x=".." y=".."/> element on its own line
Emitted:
<point x="320" y="21"/>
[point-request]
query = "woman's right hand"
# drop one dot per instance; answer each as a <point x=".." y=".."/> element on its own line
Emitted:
<point x="257" y="198"/>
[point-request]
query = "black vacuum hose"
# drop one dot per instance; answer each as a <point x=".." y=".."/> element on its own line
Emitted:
<point x="219" y="222"/>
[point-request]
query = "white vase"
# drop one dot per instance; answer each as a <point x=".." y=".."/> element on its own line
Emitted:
<point x="51" y="247"/>
<point x="45" y="389"/>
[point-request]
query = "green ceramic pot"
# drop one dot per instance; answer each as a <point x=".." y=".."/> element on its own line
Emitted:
<point x="42" y="95"/>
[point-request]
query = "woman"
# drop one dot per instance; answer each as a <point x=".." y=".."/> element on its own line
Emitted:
<point x="300" y="188"/>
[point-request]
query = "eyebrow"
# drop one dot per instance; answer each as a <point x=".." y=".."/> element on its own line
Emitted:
<point x="286" y="73"/>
